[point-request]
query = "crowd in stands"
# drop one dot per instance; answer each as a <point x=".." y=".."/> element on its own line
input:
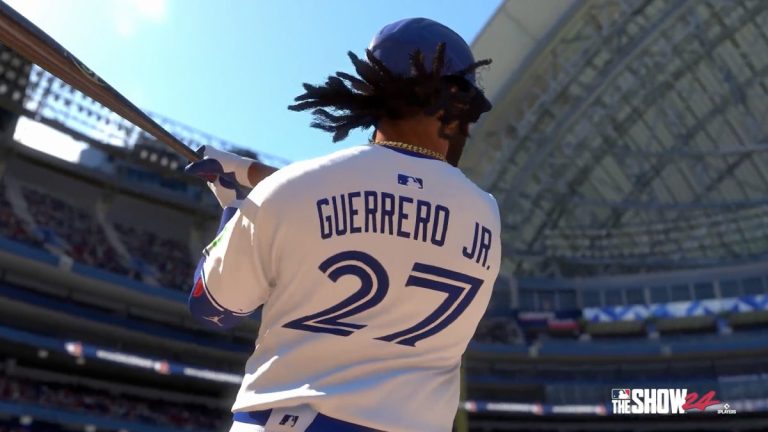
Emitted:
<point x="84" y="239"/>
<point x="169" y="257"/>
<point x="13" y="428"/>
<point x="10" y="224"/>
<point x="498" y="330"/>
<point x="42" y="426"/>
<point x="77" y="232"/>
<point x="93" y="402"/>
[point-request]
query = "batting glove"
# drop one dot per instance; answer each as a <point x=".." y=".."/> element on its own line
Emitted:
<point x="226" y="174"/>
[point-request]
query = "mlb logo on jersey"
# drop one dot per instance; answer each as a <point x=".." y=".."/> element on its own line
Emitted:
<point x="620" y="393"/>
<point x="289" y="420"/>
<point x="410" y="181"/>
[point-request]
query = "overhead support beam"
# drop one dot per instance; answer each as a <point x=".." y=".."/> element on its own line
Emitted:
<point x="565" y="121"/>
<point x="654" y="206"/>
<point x="733" y="150"/>
<point x="641" y="146"/>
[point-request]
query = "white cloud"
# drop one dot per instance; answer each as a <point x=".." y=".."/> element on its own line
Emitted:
<point x="127" y="16"/>
<point x="130" y="15"/>
<point x="154" y="10"/>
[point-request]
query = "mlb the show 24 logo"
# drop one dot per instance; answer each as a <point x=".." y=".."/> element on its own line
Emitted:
<point x="665" y="401"/>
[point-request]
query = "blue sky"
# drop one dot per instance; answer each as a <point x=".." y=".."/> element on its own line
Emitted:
<point x="230" y="67"/>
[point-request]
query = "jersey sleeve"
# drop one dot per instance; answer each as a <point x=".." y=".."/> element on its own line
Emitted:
<point x="234" y="272"/>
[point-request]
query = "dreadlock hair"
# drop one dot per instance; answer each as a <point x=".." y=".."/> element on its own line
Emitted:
<point x="346" y="102"/>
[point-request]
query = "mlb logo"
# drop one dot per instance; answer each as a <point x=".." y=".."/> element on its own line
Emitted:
<point x="162" y="367"/>
<point x="410" y="181"/>
<point x="620" y="393"/>
<point x="289" y="420"/>
<point x="74" y="348"/>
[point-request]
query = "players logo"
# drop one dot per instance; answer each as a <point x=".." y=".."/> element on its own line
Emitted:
<point x="726" y="409"/>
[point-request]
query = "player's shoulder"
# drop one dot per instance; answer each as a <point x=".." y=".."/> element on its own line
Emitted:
<point x="469" y="185"/>
<point x="320" y="163"/>
<point x="308" y="167"/>
<point x="304" y="172"/>
<point x="470" y="188"/>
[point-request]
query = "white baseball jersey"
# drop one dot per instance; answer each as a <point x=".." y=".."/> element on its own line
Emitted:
<point x="374" y="268"/>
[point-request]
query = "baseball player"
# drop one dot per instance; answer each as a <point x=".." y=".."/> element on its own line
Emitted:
<point x="373" y="264"/>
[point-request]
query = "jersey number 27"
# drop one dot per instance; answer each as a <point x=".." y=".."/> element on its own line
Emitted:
<point x="460" y="289"/>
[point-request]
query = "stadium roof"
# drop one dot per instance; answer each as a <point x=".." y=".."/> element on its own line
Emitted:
<point x="627" y="136"/>
<point x="31" y="91"/>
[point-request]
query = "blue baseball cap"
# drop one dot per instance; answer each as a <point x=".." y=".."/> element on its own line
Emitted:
<point x="394" y="44"/>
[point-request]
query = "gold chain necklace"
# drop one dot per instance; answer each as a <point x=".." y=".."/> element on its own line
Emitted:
<point x="410" y="147"/>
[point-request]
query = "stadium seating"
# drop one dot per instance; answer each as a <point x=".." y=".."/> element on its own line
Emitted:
<point x="169" y="257"/>
<point x="93" y="314"/>
<point x="77" y="233"/>
<point x="95" y="402"/>
<point x="83" y="238"/>
<point x="39" y="426"/>
<point x="498" y="330"/>
<point x="553" y="322"/>
<point x="10" y="224"/>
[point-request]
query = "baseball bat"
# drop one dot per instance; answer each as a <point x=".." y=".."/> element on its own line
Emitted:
<point x="22" y="36"/>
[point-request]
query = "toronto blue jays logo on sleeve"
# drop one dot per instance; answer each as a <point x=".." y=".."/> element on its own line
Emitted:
<point x="410" y="181"/>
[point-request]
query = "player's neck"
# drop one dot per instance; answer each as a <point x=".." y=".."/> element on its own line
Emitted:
<point x="420" y="132"/>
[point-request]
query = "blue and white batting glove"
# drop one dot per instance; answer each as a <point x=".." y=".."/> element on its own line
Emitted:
<point x="226" y="174"/>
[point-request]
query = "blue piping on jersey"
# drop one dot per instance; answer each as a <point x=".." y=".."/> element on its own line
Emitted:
<point x="203" y="307"/>
<point x="321" y="422"/>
